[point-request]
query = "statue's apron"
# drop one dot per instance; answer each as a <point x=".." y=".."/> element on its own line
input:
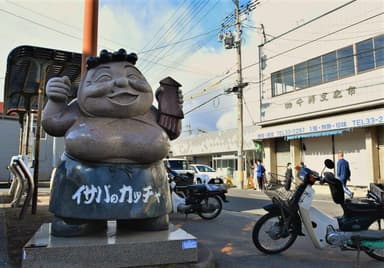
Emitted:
<point x="107" y="191"/>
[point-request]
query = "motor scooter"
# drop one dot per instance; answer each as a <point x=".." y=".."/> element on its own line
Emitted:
<point x="360" y="228"/>
<point x="203" y="199"/>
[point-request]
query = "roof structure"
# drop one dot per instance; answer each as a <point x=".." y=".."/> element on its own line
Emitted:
<point x="28" y="67"/>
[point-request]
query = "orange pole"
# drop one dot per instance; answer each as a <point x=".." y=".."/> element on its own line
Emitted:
<point x="91" y="14"/>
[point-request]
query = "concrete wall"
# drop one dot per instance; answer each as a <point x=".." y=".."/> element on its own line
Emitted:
<point x="49" y="155"/>
<point x="9" y="144"/>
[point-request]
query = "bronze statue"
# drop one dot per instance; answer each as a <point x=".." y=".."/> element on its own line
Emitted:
<point x="115" y="140"/>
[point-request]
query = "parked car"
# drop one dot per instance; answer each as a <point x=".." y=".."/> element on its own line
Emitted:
<point x="206" y="175"/>
<point x="181" y="167"/>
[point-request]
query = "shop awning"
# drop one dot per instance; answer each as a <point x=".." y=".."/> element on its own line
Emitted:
<point x="317" y="134"/>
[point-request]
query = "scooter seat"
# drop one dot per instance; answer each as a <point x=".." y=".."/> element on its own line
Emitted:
<point x="360" y="206"/>
<point x="197" y="188"/>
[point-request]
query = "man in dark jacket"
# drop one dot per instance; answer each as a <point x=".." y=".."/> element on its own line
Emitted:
<point x="288" y="177"/>
<point x="344" y="173"/>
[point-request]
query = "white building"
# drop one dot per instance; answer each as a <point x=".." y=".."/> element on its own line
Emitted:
<point x="321" y="92"/>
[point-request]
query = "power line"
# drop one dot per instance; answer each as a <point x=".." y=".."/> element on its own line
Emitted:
<point x="40" y="24"/>
<point x="275" y="103"/>
<point x="194" y="46"/>
<point x="316" y="39"/>
<point x="178" y="42"/>
<point x="183" y="30"/>
<point x="174" y="30"/>
<point x="156" y="35"/>
<point x="118" y="43"/>
<point x="306" y="43"/>
<point x="204" y="103"/>
<point x="249" y="112"/>
<point x="312" y="20"/>
<point x="326" y="35"/>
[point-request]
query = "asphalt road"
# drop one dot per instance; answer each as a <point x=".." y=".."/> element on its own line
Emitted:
<point x="229" y="237"/>
<point x="250" y="201"/>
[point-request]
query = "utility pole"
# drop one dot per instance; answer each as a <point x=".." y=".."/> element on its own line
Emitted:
<point x="240" y="136"/>
<point x="91" y="18"/>
<point x="234" y="41"/>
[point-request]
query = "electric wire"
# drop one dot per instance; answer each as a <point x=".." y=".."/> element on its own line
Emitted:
<point x="311" y="41"/>
<point x="158" y="32"/>
<point x="174" y="30"/>
<point x="248" y="111"/>
<point x="110" y="40"/>
<point x="165" y="35"/>
<point x="310" y="21"/>
<point x="205" y="102"/>
<point x="183" y="30"/>
<point x="40" y="24"/>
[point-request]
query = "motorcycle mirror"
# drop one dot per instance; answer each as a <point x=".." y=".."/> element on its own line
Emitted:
<point x="329" y="163"/>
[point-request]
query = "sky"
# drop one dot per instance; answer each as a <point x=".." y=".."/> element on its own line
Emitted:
<point x="177" y="38"/>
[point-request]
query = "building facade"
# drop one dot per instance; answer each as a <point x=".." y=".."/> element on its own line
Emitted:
<point x="321" y="91"/>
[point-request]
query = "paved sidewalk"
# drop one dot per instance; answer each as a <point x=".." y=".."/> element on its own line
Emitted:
<point x="43" y="200"/>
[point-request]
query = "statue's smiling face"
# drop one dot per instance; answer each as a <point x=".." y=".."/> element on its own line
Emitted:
<point x="115" y="89"/>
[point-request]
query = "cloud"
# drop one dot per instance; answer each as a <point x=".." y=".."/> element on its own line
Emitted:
<point x="197" y="63"/>
<point x="228" y="120"/>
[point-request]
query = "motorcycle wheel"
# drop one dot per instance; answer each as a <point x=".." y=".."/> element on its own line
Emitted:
<point x="210" y="208"/>
<point x="268" y="235"/>
<point x="377" y="254"/>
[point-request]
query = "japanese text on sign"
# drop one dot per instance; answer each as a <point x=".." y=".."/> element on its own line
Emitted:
<point x="323" y="126"/>
<point x="88" y="194"/>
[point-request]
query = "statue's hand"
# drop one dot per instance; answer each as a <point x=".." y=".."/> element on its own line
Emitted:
<point x="58" y="88"/>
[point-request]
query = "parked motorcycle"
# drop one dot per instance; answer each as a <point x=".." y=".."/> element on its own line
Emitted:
<point x="359" y="229"/>
<point x="203" y="199"/>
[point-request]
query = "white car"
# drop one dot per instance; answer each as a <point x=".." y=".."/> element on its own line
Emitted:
<point x="204" y="174"/>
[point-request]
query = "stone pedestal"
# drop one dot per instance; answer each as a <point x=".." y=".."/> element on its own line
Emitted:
<point x="113" y="248"/>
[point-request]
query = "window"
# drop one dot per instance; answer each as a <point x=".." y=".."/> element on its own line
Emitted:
<point x="282" y="81"/>
<point x="301" y="76"/>
<point x="177" y="164"/>
<point x="364" y="54"/>
<point x="379" y="50"/>
<point x="369" y="54"/>
<point x="345" y="62"/>
<point x="330" y="66"/>
<point x="277" y="84"/>
<point x="287" y="77"/>
<point x="314" y="72"/>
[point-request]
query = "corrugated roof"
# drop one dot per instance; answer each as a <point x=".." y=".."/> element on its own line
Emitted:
<point x="25" y="67"/>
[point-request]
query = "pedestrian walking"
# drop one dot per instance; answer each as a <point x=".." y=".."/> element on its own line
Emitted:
<point x="344" y="173"/>
<point x="259" y="174"/>
<point x="288" y="177"/>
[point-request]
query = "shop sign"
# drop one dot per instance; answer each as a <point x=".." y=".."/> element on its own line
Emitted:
<point x="322" y="97"/>
<point x="358" y="121"/>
